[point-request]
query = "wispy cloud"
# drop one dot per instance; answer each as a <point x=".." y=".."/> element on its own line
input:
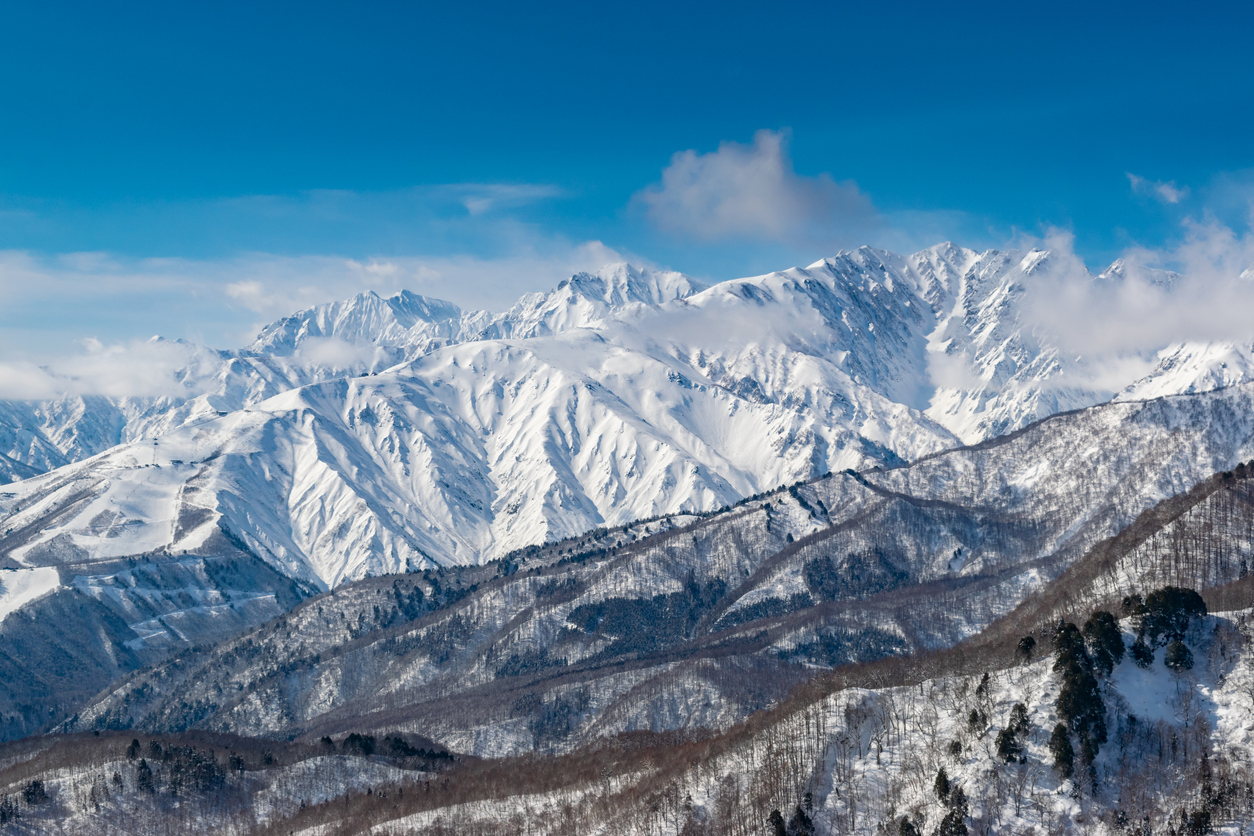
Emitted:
<point x="79" y="322"/>
<point x="1167" y="192"/>
<point x="276" y="286"/>
<point x="480" y="199"/>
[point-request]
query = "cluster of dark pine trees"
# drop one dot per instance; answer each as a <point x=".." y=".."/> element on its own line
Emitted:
<point x="1083" y="656"/>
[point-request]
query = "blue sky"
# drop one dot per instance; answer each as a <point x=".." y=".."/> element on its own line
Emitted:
<point x="195" y="169"/>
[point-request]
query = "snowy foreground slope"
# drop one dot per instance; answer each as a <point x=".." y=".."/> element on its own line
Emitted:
<point x="854" y="751"/>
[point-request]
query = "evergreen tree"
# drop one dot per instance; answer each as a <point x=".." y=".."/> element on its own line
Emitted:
<point x="34" y="793"/>
<point x="942" y="784"/>
<point x="1198" y="824"/>
<point x="1010" y="739"/>
<point x="1141" y="653"/>
<point x="1133" y="604"/>
<point x="144" y="781"/>
<point x="1019" y="719"/>
<point x="1168" y="613"/>
<point x="983" y="691"/>
<point x="1025" y="649"/>
<point x="800" y="824"/>
<point x="777" y="823"/>
<point x="1105" y="641"/>
<point x="958" y="801"/>
<point x="905" y="827"/>
<point x="1060" y="748"/>
<point x="1088" y="758"/>
<point x="1069" y="649"/>
<point x="952" y="825"/>
<point x="1178" y="658"/>
<point x="1080" y="702"/>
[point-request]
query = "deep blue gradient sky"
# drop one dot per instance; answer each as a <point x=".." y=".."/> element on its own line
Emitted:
<point x="221" y="133"/>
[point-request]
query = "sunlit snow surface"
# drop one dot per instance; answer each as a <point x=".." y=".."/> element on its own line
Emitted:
<point x="21" y="586"/>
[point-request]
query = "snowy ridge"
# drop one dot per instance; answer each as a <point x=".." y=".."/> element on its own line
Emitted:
<point x="939" y="331"/>
<point x="403" y="321"/>
<point x="589" y="300"/>
<point x="1195" y="367"/>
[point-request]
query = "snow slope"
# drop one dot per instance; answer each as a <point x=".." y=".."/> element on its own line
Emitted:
<point x="465" y="454"/>
<point x="19" y="587"/>
<point x="619" y="395"/>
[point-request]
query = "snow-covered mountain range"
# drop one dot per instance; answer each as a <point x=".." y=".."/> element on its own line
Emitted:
<point x="375" y="434"/>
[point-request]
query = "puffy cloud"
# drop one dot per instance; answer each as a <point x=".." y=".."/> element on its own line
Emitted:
<point x="1201" y="289"/>
<point x="1162" y="192"/>
<point x="753" y="190"/>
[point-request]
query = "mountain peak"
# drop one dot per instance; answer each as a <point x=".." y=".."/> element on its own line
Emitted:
<point x="367" y="319"/>
<point x="619" y="284"/>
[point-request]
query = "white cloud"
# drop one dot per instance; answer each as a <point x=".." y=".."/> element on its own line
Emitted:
<point x="1207" y="295"/>
<point x="1167" y="192"/>
<point x="137" y="368"/>
<point x="333" y="352"/>
<point x="274" y="287"/>
<point x="753" y="191"/>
